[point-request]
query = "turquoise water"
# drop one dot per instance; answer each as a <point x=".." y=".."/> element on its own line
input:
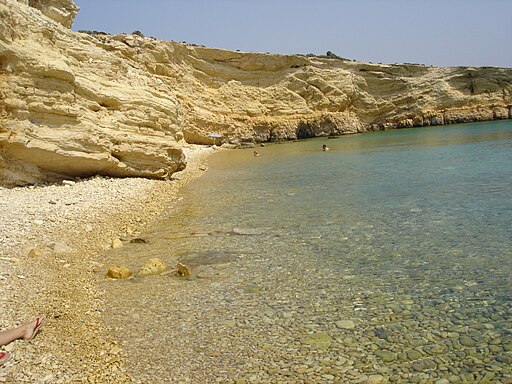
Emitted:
<point x="387" y="258"/>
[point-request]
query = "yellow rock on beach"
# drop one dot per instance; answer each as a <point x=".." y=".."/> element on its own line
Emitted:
<point x="118" y="272"/>
<point x="116" y="243"/>
<point x="183" y="270"/>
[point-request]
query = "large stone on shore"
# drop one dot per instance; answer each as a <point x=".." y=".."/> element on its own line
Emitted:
<point x="118" y="272"/>
<point x="183" y="270"/>
<point x="116" y="243"/>
<point x="153" y="266"/>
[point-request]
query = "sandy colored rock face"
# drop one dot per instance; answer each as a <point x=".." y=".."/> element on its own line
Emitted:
<point x="70" y="107"/>
<point x="79" y="104"/>
<point x="61" y="11"/>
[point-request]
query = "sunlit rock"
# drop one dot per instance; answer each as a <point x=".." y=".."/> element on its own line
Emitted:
<point x="118" y="272"/>
<point x="183" y="270"/>
<point x="153" y="266"/>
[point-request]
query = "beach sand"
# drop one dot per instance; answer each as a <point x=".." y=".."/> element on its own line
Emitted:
<point x="51" y="240"/>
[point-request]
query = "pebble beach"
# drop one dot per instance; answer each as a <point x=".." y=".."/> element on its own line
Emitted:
<point x="51" y="237"/>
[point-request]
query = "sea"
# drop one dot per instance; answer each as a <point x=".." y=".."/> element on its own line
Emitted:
<point x="386" y="259"/>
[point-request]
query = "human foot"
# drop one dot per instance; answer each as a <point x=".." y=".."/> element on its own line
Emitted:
<point x="33" y="327"/>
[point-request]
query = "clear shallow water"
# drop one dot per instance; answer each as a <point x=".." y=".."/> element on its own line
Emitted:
<point x="388" y="257"/>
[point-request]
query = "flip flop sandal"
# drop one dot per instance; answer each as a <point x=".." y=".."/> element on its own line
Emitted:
<point x="4" y="357"/>
<point x="39" y="323"/>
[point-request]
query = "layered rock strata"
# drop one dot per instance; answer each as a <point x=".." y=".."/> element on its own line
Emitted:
<point x="76" y="104"/>
<point x="70" y="107"/>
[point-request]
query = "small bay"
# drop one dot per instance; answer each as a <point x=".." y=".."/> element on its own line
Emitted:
<point x="387" y="258"/>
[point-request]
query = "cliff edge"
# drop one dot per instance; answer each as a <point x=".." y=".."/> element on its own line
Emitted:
<point x="78" y="104"/>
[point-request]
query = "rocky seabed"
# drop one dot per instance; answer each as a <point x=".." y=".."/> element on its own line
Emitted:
<point x="245" y="317"/>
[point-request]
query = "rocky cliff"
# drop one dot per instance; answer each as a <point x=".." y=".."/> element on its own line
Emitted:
<point x="78" y="104"/>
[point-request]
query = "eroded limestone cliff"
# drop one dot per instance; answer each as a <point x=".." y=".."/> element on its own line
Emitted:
<point x="77" y="104"/>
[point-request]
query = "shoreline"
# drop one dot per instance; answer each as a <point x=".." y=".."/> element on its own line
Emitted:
<point x="50" y="245"/>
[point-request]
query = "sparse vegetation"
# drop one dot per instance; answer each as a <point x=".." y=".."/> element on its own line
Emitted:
<point x="93" y="32"/>
<point x="328" y="55"/>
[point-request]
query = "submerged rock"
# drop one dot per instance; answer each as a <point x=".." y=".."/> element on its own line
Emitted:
<point x="414" y="355"/>
<point x="376" y="379"/>
<point x="319" y="340"/>
<point x="424" y="365"/>
<point x="139" y="240"/>
<point x="386" y="356"/>
<point x="467" y="341"/>
<point x="345" y="324"/>
<point x="245" y="231"/>
<point x="154" y="266"/>
<point x="382" y="333"/>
